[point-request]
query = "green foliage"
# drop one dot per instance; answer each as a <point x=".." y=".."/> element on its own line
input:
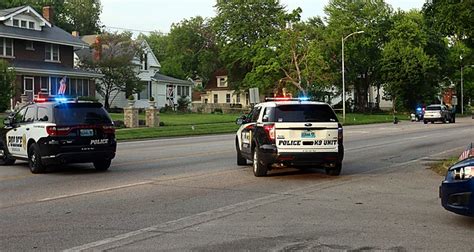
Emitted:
<point x="362" y="51"/>
<point x="131" y="98"/>
<point x="71" y="15"/>
<point x="452" y="18"/>
<point x="189" y="50"/>
<point x="183" y="104"/>
<point x="112" y="57"/>
<point x="410" y="75"/>
<point x="239" y="25"/>
<point x="7" y="77"/>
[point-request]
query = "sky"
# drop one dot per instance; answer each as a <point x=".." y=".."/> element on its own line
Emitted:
<point x="158" y="15"/>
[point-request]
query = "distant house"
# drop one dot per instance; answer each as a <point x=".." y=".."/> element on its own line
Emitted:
<point x="42" y="54"/>
<point x="218" y="92"/>
<point x="166" y="90"/>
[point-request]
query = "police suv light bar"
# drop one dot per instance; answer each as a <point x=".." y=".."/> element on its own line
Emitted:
<point x="286" y="99"/>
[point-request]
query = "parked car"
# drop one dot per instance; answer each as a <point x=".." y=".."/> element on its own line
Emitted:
<point x="457" y="189"/>
<point x="439" y="113"/>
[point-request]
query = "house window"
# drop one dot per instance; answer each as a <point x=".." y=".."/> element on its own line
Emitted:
<point x="6" y="47"/>
<point x="23" y="23"/>
<point x="16" y="22"/>
<point x="144" y="59"/>
<point x="51" y="53"/>
<point x="31" y="25"/>
<point x="183" y="91"/>
<point x="144" y="94"/>
<point x="227" y="98"/>
<point x="247" y="99"/>
<point x="216" y="98"/>
<point x="221" y="81"/>
<point x="44" y="85"/>
<point x="30" y="45"/>
<point x="237" y="98"/>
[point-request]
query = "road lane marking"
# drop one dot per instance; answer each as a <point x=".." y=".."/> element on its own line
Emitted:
<point x="222" y="212"/>
<point x="95" y="191"/>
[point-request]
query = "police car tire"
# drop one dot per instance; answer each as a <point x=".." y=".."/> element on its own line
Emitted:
<point x="334" y="171"/>
<point x="240" y="160"/>
<point x="102" y="165"/>
<point x="259" y="169"/>
<point x="34" y="160"/>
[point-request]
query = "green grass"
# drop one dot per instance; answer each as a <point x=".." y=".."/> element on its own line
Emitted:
<point x="442" y="167"/>
<point x="176" y="119"/>
<point x="357" y="119"/>
<point x="178" y="130"/>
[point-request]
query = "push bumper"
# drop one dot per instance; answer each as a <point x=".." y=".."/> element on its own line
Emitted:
<point x="458" y="197"/>
<point x="269" y="155"/>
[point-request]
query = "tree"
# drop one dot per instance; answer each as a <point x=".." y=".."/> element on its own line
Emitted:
<point x="239" y="25"/>
<point x="81" y="15"/>
<point x="293" y="56"/>
<point x="452" y="18"/>
<point x="409" y="73"/>
<point x="7" y="77"/>
<point x="362" y="53"/>
<point x="113" y="57"/>
<point x="71" y="15"/>
<point x="188" y="51"/>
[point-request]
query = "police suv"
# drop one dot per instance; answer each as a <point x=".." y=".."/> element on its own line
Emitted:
<point x="56" y="131"/>
<point x="290" y="132"/>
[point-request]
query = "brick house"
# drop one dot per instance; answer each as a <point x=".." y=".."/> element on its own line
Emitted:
<point x="220" y="94"/>
<point x="41" y="54"/>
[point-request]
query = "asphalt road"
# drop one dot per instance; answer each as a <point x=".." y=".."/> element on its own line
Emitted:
<point x="189" y="194"/>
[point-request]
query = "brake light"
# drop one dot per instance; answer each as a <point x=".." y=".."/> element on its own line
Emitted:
<point x="58" y="131"/>
<point x="339" y="133"/>
<point x="108" y="129"/>
<point x="270" y="130"/>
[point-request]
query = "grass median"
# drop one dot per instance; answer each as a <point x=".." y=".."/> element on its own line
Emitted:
<point x="442" y="167"/>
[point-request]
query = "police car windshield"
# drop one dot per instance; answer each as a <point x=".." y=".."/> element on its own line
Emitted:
<point x="433" y="108"/>
<point x="304" y="113"/>
<point x="80" y="113"/>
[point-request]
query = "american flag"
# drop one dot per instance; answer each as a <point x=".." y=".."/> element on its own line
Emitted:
<point x="62" y="86"/>
<point x="469" y="152"/>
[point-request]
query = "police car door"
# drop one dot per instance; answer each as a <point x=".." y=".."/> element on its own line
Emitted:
<point x="16" y="138"/>
<point x="248" y="131"/>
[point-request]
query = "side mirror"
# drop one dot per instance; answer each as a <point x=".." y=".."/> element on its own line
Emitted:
<point x="7" y="122"/>
<point x="265" y="118"/>
<point x="44" y="119"/>
<point x="241" y="120"/>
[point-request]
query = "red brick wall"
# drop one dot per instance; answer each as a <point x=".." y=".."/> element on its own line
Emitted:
<point x="66" y="53"/>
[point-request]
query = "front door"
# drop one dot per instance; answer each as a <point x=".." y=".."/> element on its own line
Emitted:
<point x="28" y="87"/>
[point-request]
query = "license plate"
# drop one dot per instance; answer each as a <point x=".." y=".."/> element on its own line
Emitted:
<point x="86" y="132"/>
<point x="308" y="134"/>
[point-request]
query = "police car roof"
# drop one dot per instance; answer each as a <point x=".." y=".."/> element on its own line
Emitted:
<point x="276" y="103"/>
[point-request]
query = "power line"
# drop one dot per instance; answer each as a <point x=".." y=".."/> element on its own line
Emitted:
<point x="132" y="30"/>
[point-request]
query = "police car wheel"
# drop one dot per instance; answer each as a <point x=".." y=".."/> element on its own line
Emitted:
<point x="34" y="159"/>
<point x="259" y="168"/>
<point x="240" y="160"/>
<point x="334" y="171"/>
<point x="102" y="165"/>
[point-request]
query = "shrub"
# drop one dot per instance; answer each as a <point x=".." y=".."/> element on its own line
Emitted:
<point x="131" y="97"/>
<point x="7" y="76"/>
<point x="152" y="98"/>
<point x="183" y="104"/>
<point x="162" y="124"/>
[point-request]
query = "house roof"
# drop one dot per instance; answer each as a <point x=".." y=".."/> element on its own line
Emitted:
<point x="212" y="83"/>
<point x="7" y="12"/>
<point x="49" y="33"/>
<point x="167" y="79"/>
<point x="39" y="67"/>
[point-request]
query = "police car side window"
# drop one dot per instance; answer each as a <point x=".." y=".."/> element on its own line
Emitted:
<point x="20" y="115"/>
<point x="255" y="114"/>
<point x="30" y="115"/>
<point x="44" y="114"/>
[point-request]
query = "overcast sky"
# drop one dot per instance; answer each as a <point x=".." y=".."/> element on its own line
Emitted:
<point x="158" y="15"/>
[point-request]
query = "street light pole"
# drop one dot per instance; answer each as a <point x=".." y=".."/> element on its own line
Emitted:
<point x="343" y="79"/>
<point x="462" y="91"/>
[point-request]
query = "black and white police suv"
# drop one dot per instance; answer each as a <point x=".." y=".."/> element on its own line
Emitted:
<point x="57" y="131"/>
<point x="290" y="132"/>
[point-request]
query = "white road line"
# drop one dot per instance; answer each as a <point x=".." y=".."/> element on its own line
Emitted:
<point x="222" y="212"/>
<point x="95" y="191"/>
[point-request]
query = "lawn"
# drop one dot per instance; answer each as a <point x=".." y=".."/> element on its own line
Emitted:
<point x="442" y="167"/>
<point x="357" y="119"/>
<point x="175" y="119"/>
